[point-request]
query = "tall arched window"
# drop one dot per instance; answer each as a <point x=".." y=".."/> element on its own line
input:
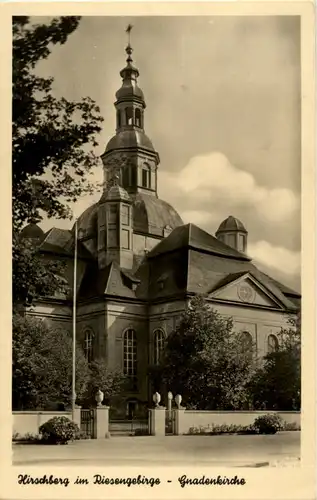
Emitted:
<point x="138" y="118"/>
<point x="129" y="116"/>
<point x="159" y="341"/>
<point x="247" y="344"/>
<point x="88" y="345"/>
<point x="272" y="343"/>
<point x="146" y="176"/>
<point x="130" y="356"/>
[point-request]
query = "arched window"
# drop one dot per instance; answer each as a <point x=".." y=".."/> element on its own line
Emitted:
<point x="272" y="344"/>
<point x="88" y="345"/>
<point x="146" y="176"/>
<point x="130" y="356"/>
<point x="129" y="116"/>
<point x="247" y="344"/>
<point x="118" y="118"/>
<point x="159" y="341"/>
<point x="138" y="118"/>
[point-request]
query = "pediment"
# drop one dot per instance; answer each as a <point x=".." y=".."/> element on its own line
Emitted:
<point x="246" y="290"/>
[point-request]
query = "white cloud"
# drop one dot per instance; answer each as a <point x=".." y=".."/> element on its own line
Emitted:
<point x="278" y="258"/>
<point x="211" y="182"/>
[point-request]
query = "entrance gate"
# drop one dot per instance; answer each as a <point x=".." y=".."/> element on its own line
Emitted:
<point x="129" y="427"/>
<point x="87" y="422"/>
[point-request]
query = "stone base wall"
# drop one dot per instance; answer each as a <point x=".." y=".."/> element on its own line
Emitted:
<point x="190" y="419"/>
<point x="29" y="422"/>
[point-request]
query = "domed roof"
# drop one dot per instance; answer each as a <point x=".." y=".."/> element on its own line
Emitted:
<point x="32" y="231"/>
<point x="150" y="216"/>
<point x="231" y="224"/>
<point x="129" y="139"/>
<point x="117" y="193"/>
<point x="129" y="89"/>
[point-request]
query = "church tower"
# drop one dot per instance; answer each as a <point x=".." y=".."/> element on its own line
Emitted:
<point x="130" y="149"/>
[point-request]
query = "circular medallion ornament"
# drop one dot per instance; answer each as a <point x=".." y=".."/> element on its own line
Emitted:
<point x="245" y="292"/>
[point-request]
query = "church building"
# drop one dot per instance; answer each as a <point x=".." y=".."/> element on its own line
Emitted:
<point x="139" y="264"/>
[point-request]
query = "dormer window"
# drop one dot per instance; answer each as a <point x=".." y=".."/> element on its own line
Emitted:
<point x="167" y="230"/>
<point x="162" y="281"/>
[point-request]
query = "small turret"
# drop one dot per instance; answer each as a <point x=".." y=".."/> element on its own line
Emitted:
<point x="233" y="233"/>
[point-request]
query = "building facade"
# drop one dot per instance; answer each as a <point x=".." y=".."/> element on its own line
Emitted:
<point x="138" y="264"/>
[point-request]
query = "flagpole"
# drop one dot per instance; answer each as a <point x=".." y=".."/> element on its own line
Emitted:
<point x="74" y="324"/>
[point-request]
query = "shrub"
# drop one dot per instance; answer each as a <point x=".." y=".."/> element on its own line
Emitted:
<point x="268" y="424"/>
<point x="291" y="426"/>
<point x="215" y="430"/>
<point x="81" y="435"/>
<point x="29" y="437"/>
<point x="59" y="430"/>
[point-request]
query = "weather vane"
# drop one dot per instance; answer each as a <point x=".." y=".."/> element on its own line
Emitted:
<point x="128" y="30"/>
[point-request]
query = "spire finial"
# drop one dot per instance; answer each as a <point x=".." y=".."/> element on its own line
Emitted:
<point x="129" y="49"/>
<point x="128" y="30"/>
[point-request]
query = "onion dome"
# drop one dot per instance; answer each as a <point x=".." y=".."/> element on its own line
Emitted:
<point x="126" y="139"/>
<point x="129" y="76"/>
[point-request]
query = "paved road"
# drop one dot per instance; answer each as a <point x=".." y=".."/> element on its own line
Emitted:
<point x="217" y="451"/>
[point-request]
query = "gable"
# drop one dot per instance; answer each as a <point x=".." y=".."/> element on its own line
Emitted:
<point x="248" y="291"/>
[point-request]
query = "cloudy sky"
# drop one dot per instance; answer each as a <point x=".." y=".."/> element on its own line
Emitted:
<point x="223" y="111"/>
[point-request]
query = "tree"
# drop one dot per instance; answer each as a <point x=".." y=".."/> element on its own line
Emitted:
<point x="110" y="382"/>
<point x="32" y="277"/>
<point x="277" y="383"/>
<point x="206" y="361"/>
<point x="42" y="367"/>
<point x="52" y="139"/>
<point x="52" y="149"/>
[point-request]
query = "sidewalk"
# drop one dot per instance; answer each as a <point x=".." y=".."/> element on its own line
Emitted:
<point x="236" y="451"/>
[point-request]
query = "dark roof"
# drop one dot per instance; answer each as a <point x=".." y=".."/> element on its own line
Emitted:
<point x="285" y="289"/>
<point x="150" y="216"/>
<point x="192" y="236"/>
<point x="231" y="224"/>
<point x="182" y="269"/>
<point x="117" y="193"/>
<point x="130" y="89"/>
<point x="32" y="231"/>
<point x="61" y="242"/>
<point x="130" y="138"/>
<point x="207" y="273"/>
<point x="112" y="280"/>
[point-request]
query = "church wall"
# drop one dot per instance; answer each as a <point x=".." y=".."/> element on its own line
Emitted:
<point x="55" y="315"/>
<point x="163" y="317"/>
<point x="141" y="242"/>
<point x="91" y="317"/>
<point x="260" y="323"/>
<point x="119" y="318"/>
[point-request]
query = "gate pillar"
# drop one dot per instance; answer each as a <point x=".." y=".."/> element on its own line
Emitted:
<point x="178" y="422"/>
<point x="157" y="421"/>
<point x="77" y="415"/>
<point x="101" y="427"/>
